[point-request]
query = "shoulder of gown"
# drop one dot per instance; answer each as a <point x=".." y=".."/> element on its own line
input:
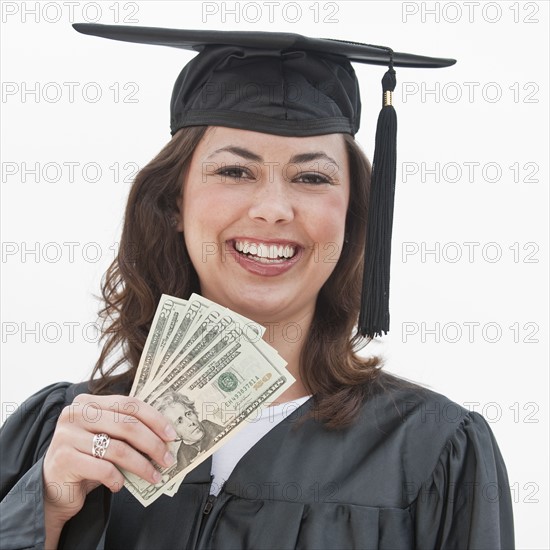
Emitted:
<point x="452" y="475"/>
<point x="24" y="439"/>
<point x="456" y="485"/>
<point x="26" y="434"/>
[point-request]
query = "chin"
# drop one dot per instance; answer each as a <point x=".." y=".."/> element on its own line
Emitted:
<point x="270" y="308"/>
<point x="264" y="300"/>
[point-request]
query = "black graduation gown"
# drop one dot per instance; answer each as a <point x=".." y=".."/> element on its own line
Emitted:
<point x="415" y="471"/>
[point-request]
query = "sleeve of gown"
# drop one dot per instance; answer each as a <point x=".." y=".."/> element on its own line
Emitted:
<point x="466" y="503"/>
<point x="24" y="439"/>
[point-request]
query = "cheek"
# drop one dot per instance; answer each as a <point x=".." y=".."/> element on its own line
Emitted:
<point x="330" y="223"/>
<point x="204" y="216"/>
<point x="209" y="207"/>
<point x="329" y="217"/>
<point x="208" y="212"/>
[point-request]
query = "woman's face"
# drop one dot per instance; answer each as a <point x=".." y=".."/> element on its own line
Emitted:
<point x="264" y="219"/>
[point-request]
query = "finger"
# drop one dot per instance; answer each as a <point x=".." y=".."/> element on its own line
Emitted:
<point x="66" y="468"/>
<point x="128" y="429"/>
<point x="85" y="406"/>
<point x="77" y="431"/>
<point x="97" y="470"/>
<point x="122" y="455"/>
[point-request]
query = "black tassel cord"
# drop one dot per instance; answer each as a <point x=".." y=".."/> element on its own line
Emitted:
<point x="374" y="316"/>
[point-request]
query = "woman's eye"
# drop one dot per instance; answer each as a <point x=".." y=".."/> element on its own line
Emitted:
<point x="234" y="172"/>
<point x="313" y="178"/>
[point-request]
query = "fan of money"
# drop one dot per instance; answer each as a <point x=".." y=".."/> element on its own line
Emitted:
<point x="208" y="370"/>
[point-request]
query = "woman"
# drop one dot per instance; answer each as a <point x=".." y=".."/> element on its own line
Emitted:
<point x="369" y="461"/>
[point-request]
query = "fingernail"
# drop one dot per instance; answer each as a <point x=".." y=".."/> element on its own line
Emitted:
<point x="170" y="432"/>
<point x="169" y="459"/>
<point x="156" y="477"/>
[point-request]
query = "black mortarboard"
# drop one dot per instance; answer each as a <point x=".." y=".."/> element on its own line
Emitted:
<point x="291" y="85"/>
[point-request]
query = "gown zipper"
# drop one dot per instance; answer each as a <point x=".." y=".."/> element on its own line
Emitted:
<point x="211" y="499"/>
<point x="209" y="504"/>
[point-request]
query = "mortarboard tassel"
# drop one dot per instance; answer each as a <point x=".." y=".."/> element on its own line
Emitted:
<point x="374" y="316"/>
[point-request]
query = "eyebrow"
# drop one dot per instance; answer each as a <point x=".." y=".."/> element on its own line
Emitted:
<point x="295" y="159"/>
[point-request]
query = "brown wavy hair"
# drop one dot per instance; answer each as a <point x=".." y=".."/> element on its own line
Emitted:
<point x="153" y="260"/>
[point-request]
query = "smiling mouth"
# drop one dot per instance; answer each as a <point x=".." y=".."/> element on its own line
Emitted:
<point x="265" y="253"/>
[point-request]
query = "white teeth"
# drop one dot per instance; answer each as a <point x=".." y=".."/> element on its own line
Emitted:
<point x="265" y="251"/>
<point x="288" y="251"/>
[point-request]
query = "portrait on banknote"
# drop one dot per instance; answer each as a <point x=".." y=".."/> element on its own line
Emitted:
<point x="194" y="435"/>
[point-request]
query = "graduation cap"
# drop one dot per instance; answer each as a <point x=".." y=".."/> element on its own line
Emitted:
<point x="291" y="85"/>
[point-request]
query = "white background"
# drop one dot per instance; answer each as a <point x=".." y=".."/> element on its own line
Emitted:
<point x="500" y="46"/>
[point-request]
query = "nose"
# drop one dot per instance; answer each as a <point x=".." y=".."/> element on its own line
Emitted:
<point x="271" y="201"/>
<point x="190" y="422"/>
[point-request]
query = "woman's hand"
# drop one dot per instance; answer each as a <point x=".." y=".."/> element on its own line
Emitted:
<point x="71" y="471"/>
